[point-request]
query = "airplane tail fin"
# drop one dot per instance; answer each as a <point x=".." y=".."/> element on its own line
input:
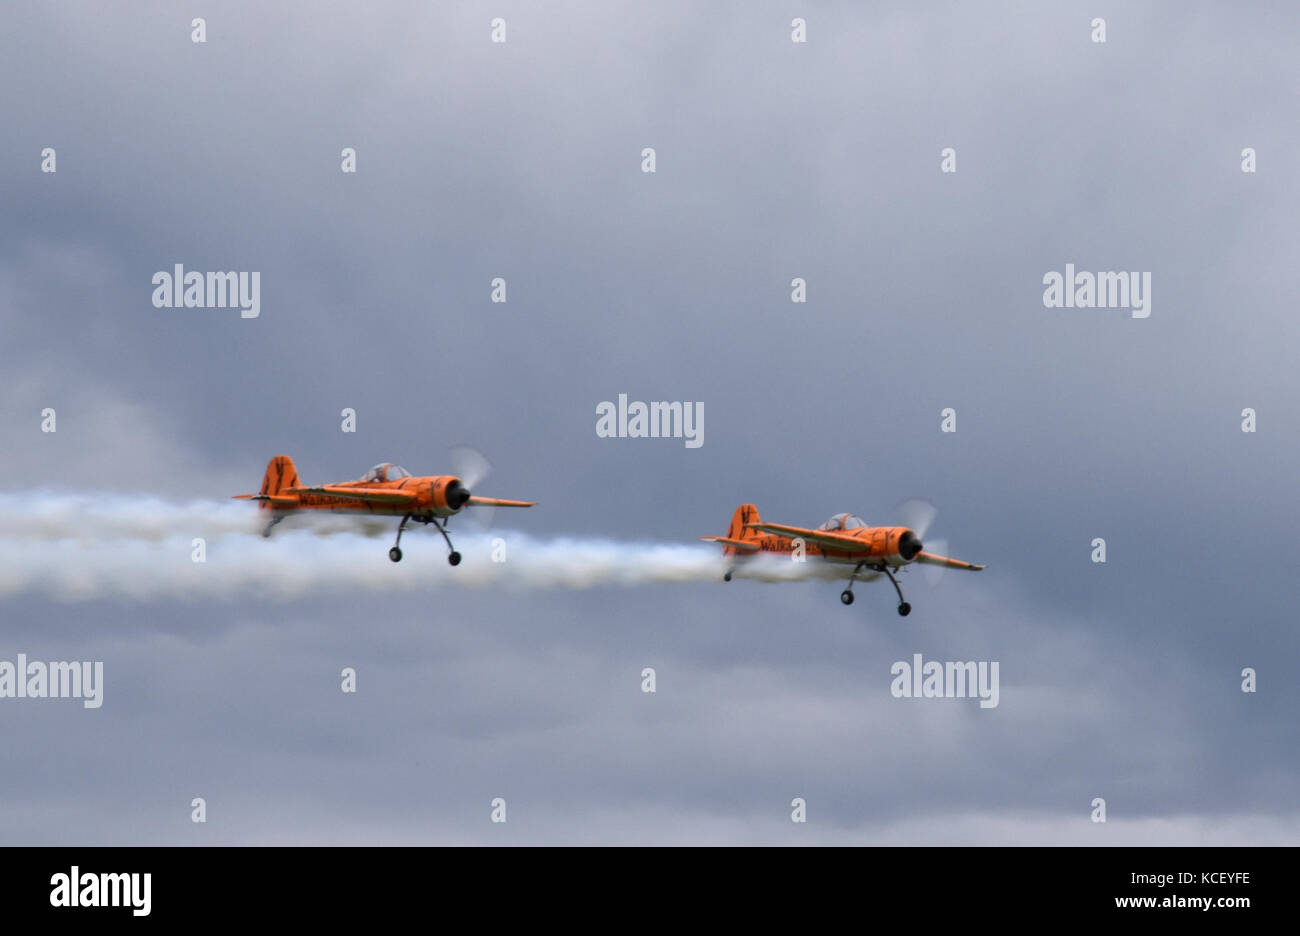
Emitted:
<point x="740" y="539"/>
<point x="745" y="514"/>
<point x="280" y="475"/>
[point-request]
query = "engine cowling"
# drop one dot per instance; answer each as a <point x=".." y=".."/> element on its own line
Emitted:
<point x="908" y="545"/>
<point x="449" y="493"/>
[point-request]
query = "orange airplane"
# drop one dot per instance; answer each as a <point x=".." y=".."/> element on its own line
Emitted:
<point x="843" y="539"/>
<point x="385" y="490"/>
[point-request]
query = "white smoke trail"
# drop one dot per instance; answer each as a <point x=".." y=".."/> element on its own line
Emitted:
<point x="49" y="515"/>
<point x="76" y="547"/>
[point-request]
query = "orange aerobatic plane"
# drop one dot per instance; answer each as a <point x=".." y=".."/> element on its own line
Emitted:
<point x="843" y="539"/>
<point x="386" y="490"/>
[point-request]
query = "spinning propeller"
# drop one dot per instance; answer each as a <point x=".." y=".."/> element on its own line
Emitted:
<point x="472" y="466"/>
<point x="917" y="515"/>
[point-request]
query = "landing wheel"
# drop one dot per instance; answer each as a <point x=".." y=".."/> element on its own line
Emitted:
<point x="727" y="577"/>
<point x="454" y="558"/>
<point x="904" y="609"/>
<point x="395" y="554"/>
<point x="846" y="596"/>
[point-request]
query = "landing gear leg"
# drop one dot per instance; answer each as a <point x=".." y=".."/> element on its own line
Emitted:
<point x="271" y="526"/>
<point x="453" y="557"/>
<point x="396" y="552"/>
<point x="846" y="596"/>
<point x="904" y="609"/>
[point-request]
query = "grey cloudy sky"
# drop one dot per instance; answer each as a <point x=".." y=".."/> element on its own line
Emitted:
<point x="774" y="160"/>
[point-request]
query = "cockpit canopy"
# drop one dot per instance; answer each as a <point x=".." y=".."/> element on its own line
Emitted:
<point x="386" y="471"/>
<point x="843" y="521"/>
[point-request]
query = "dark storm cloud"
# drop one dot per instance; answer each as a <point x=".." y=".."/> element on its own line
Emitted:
<point x="774" y="160"/>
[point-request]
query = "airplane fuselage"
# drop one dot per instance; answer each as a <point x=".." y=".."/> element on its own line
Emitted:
<point x="430" y="498"/>
<point x="875" y="549"/>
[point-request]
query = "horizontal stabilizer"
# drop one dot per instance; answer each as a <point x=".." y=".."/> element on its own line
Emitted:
<point x="269" y="499"/>
<point x="748" y="545"/>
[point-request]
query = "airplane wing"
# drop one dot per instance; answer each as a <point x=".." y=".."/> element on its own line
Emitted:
<point x="377" y="495"/>
<point x="822" y="537"/>
<point x="932" y="559"/>
<point x="748" y="545"/>
<point x="497" y="502"/>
